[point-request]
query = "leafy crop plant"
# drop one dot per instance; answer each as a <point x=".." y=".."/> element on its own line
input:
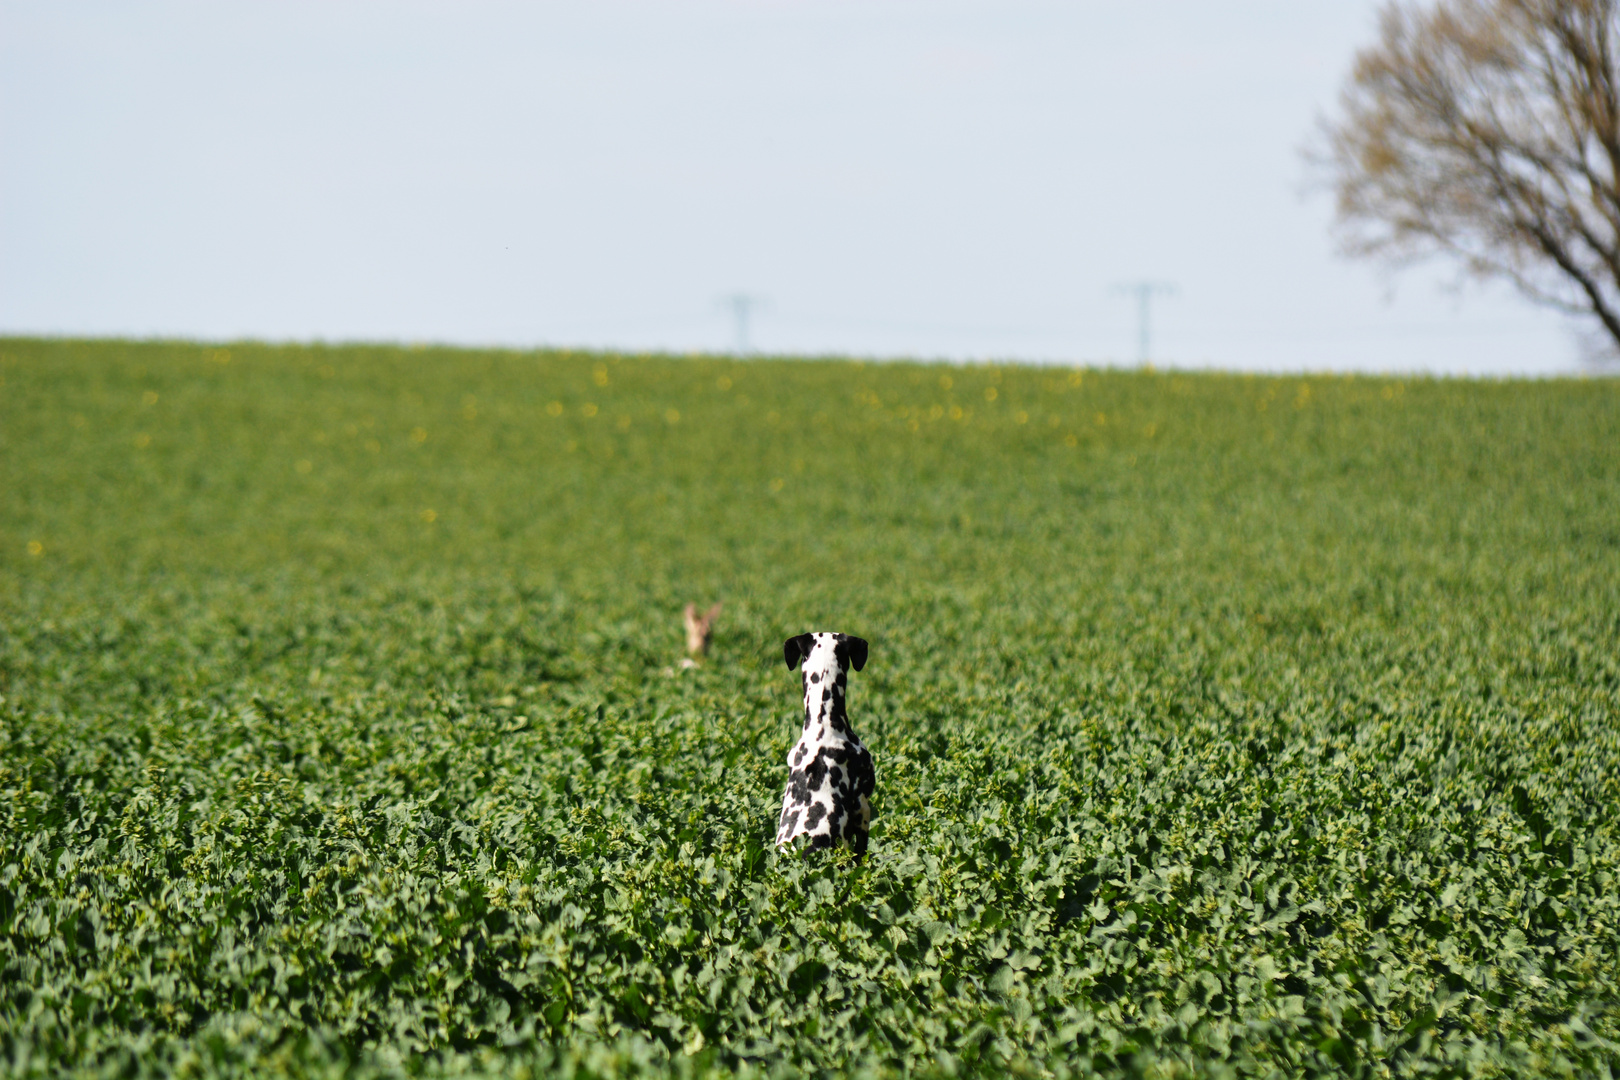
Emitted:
<point x="1224" y="725"/>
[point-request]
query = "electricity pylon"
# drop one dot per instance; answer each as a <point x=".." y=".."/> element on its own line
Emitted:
<point x="742" y="307"/>
<point x="1144" y="292"/>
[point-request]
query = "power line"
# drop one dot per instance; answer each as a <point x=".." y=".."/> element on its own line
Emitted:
<point x="1144" y="292"/>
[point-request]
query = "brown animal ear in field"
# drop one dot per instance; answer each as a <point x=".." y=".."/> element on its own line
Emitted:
<point x="699" y="629"/>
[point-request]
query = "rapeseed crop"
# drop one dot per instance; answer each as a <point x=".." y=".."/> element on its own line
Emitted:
<point x="1222" y="724"/>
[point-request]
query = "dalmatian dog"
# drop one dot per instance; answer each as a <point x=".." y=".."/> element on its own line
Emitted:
<point x="829" y="771"/>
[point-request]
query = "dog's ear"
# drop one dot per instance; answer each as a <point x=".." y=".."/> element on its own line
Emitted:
<point x="857" y="651"/>
<point x="795" y="649"/>
<point x="712" y="614"/>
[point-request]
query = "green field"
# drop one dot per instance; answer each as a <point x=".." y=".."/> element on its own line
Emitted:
<point x="1222" y="724"/>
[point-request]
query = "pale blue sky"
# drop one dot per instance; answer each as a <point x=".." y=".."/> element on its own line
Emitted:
<point x="920" y="178"/>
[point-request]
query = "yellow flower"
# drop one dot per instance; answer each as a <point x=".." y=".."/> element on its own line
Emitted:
<point x="149" y="398"/>
<point x="142" y="441"/>
<point x="723" y="382"/>
<point x="590" y="409"/>
<point x="555" y="408"/>
<point x="430" y="516"/>
<point x="673" y="416"/>
<point x="305" y="467"/>
<point x="990" y="393"/>
<point x="778" y="484"/>
<point x="419" y="435"/>
<point x="36" y="548"/>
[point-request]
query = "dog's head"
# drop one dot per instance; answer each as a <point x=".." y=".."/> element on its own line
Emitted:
<point x="825" y="652"/>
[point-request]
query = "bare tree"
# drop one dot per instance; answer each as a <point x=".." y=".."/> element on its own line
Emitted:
<point x="1489" y="130"/>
